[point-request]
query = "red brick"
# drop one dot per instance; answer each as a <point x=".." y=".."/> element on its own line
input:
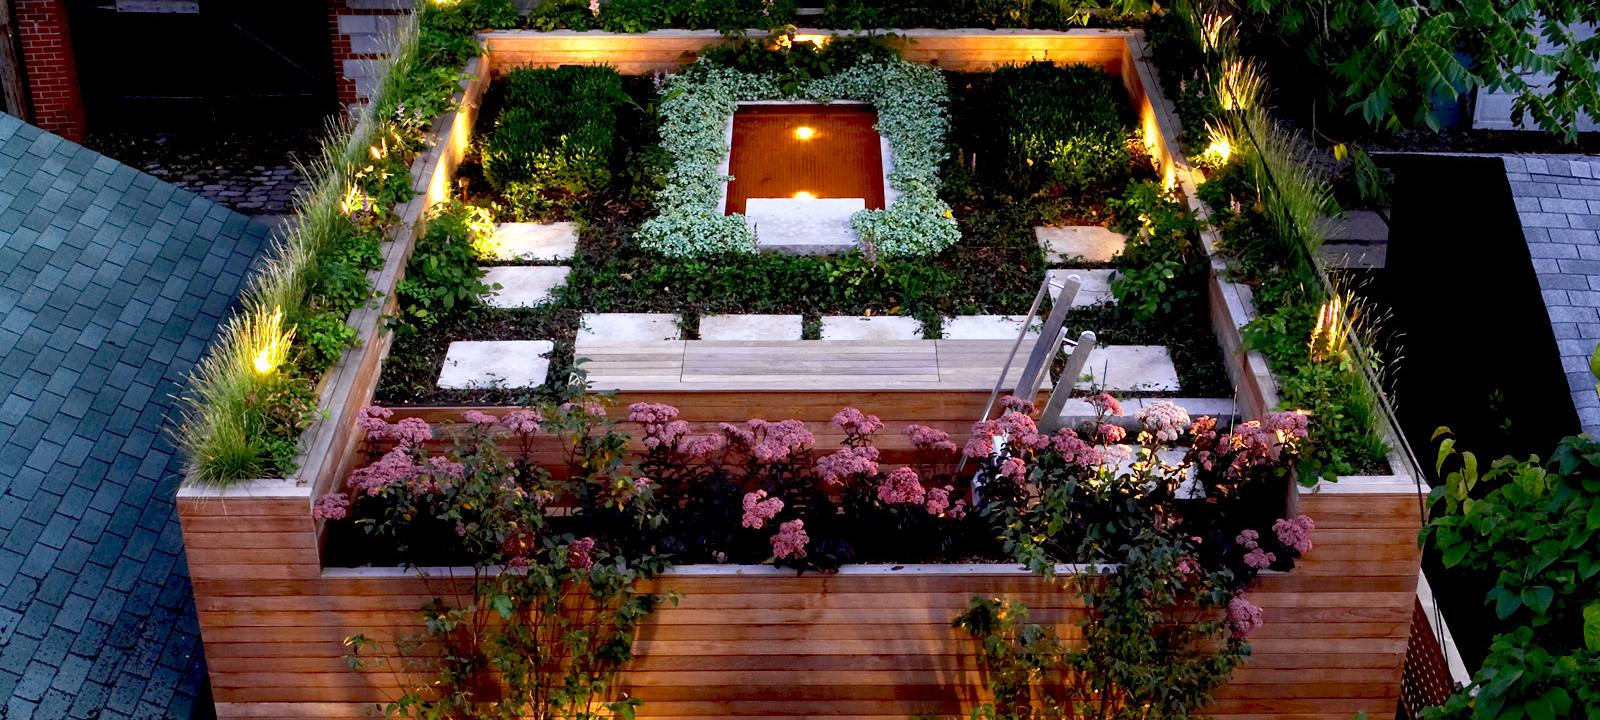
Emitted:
<point x="51" y="68"/>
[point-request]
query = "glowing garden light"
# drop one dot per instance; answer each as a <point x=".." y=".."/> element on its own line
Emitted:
<point x="803" y="195"/>
<point x="804" y="132"/>
<point x="1220" y="147"/>
<point x="1328" y="337"/>
<point x="268" y="339"/>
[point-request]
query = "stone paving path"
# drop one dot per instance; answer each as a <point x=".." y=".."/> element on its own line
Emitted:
<point x="253" y="173"/>
<point x="1090" y="243"/>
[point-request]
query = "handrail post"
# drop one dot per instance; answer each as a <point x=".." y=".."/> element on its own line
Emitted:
<point x="1050" y="419"/>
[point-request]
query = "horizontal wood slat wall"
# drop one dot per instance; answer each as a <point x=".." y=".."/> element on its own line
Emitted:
<point x="765" y="644"/>
<point x="852" y="645"/>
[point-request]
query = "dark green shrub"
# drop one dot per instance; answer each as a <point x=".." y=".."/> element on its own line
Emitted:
<point x="1053" y="125"/>
<point x="557" y="131"/>
<point x="1160" y="269"/>
<point x="443" y="274"/>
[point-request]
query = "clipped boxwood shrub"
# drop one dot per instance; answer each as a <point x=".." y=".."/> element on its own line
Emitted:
<point x="556" y="132"/>
<point x="1063" y="125"/>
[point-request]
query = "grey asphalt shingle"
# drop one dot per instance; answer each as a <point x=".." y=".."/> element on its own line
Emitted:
<point x="1558" y="200"/>
<point x="111" y="283"/>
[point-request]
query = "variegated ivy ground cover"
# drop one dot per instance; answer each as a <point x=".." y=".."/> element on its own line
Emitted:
<point x="697" y="104"/>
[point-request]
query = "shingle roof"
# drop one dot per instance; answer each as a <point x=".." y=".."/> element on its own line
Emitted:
<point x="111" y="284"/>
<point x="1558" y="200"/>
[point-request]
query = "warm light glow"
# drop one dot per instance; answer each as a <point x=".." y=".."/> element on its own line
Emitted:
<point x="354" y="201"/>
<point x="817" y="40"/>
<point x="272" y="344"/>
<point x="803" y="195"/>
<point x="1211" y="28"/>
<point x="1219" y="150"/>
<point x="1328" y="337"/>
<point x="804" y="133"/>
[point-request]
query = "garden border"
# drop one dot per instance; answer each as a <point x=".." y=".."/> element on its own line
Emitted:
<point x="255" y="552"/>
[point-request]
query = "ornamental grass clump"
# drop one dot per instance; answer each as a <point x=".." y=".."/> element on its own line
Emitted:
<point x="239" y="424"/>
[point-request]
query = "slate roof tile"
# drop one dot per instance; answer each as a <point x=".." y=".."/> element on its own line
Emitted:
<point x="96" y="616"/>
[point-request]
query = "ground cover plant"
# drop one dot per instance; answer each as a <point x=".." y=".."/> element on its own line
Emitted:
<point x="996" y="267"/>
<point x="735" y="15"/>
<point x="697" y="104"/>
<point x="251" y="396"/>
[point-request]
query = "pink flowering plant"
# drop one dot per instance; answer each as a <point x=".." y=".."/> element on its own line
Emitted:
<point x="762" y="491"/>
<point x="1173" y="517"/>
<point x="451" y="495"/>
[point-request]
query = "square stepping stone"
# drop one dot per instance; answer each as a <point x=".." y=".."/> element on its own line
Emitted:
<point x="988" y="327"/>
<point x="818" y="226"/>
<point x="1091" y="243"/>
<point x="750" y="327"/>
<point x="523" y="286"/>
<point x="629" y="327"/>
<point x="1130" y="368"/>
<point x="473" y="364"/>
<point x="1094" y="289"/>
<point x="875" y="327"/>
<point x="1078" y="410"/>
<point x="534" y="242"/>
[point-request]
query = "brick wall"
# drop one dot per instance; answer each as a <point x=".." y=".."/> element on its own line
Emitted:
<point x="361" y="33"/>
<point x="52" y="70"/>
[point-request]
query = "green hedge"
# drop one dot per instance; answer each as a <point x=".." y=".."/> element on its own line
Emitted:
<point x="556" y="132"/>
<point x="1054" y="125"/>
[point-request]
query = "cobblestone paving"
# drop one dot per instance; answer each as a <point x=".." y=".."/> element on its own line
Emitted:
<point x="251" y="172"/>
<point x="1558" y="199"/>
<point x="112" y="283"/>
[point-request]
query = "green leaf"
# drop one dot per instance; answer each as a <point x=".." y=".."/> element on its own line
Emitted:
<point x="1591" y="626"/>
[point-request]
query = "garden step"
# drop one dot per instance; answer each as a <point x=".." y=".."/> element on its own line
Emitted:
<point x="989" y="327"/>
<point x="1090" y="243"/>
<point x="1223" y="409"/>
<point x="629" y="327"/>
<point x="788" y="226"/>
<point x="1094" y="290"/>
<point x="1130" y="368"/>
<point x="751" y="327"/>
<point x="523" y="286"/>
<point x="495" y="363"/>
<point x="873" y="328"/>
<point x="535" y="242"/>
<point x="795" y="365"/>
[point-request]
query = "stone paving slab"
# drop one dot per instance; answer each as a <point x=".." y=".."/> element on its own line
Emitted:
<point x="751" y="327"/>
<point x="472" y="364"/>
<point x="1094" y="289"/>
<point x="1090" y="243"/>
<point x="788" y="226"/>
<point x="1130" y="368"/>
<point x="624" y="327"/>
<point x="1078" y="410"/>
<point x="876" y="327"/>
<point x="523" y="286"/>
<point x="535" y="242"/>
<point x="989" y="327"/>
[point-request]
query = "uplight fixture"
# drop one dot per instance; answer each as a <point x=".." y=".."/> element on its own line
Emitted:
<point x="803" y="195"/>
<point x="804" y="132"/>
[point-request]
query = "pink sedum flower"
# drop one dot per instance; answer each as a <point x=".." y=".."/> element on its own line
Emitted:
<point x="393" y="468"/>
<point x="699" y="447"/>
<point x="580" y="554"/>
<point x="758" y="509"/>
<point x="959" y="509"/>
<point x="791" y="540"/>
<point x="929" y="439"/>
<point x="522" y="422"/>
<point x="1295" y="532"/>
<point x="847" y="463"/>
<point x="857" y="423"/>
<point x="1259" y="559"/>
<point x="938" y="500"/>
<point x="1105" y="404"/>
<point x="902" y="487"/>
<point x="333" y="506"/>
<point x="1164" y="421"/>
<point x="1112" y="434"/>
<point x="1014" y="469"/>
<point x="1244" y="617"/>
<point x="481" y="419"/>
<point x="411" y="432"/>
<point x="1012" y="403"/>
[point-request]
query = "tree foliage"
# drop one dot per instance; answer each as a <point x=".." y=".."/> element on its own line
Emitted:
<point x="1396" y="58"/>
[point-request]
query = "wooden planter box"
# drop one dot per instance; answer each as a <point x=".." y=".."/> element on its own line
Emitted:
<point x="870" y="641"/>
